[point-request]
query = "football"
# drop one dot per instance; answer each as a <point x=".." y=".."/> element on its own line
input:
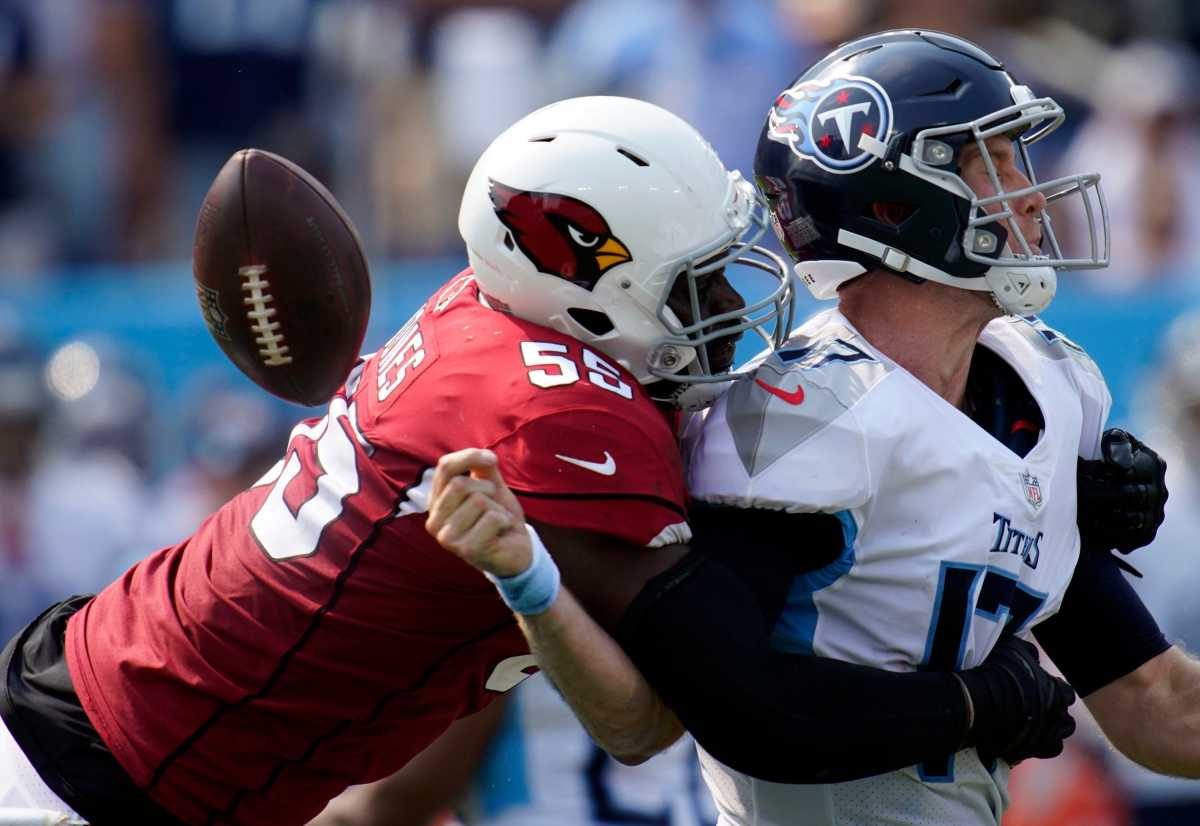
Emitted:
<point x="281" y="277"/>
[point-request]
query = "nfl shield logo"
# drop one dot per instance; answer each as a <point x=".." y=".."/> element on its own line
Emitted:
<point x="210" y="308"/>
<point x="1033" y="490"/>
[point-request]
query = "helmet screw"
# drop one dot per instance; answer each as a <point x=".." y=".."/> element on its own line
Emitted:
<point x="938" y="153"/>
<point x="670" y="359"/>
<point x="985" y="242"/>
<point x="889" y="165"/>
<point x="626" y="283"/>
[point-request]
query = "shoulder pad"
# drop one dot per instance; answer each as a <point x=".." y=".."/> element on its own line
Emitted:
<point x="1051" y="343"/>
<point x="799" y="390"/>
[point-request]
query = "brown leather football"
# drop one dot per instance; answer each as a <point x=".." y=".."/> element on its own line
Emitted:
<point x="281" y="277"/>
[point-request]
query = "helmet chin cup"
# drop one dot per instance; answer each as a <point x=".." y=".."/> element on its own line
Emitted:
<point x="824" y="277"/>
<point x="1025" y="290"/>
<point x="693" y="398"/>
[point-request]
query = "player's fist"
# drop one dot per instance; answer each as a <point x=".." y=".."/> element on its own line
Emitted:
<point x="474" y="515"/>
<point x="1121" y="495"/>
<point x="1021" y="710"/>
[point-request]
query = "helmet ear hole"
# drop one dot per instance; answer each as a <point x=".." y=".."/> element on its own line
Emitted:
<point x="890" y="213"/>
<point x="594" y="321"/>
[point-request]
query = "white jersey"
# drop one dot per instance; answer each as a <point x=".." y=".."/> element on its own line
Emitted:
<point x="544" y="770"/>
<point x="950" y="536"/>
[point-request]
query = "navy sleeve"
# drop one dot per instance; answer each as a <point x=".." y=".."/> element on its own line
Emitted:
<point x="1103" y="630"/>
<point x="701" y="632"/>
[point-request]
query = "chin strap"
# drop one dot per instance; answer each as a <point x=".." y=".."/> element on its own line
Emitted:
<point x="1017" y="290"/>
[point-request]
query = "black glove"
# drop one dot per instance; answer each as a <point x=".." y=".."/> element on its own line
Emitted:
<point x="1020" y="710"/>
<point x="1121" y="494"/>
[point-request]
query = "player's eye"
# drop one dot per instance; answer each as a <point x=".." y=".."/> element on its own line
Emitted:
<point x="583" y="238"/>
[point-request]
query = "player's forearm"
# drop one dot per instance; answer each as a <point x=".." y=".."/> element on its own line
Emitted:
<point x="479" y="519"/>
<point x="623" y="714"/>
<point x="1152" y="714"/>
<point x="787" y="718"/>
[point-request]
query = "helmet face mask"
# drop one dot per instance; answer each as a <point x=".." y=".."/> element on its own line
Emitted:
<point x="887" y="120"/>
<point x="768" y="314"/>
<point x="1042" y="116"/>
<point x="584" y="215"/>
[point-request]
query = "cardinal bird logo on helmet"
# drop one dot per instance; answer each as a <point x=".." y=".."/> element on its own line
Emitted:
<point x="561" y="235"/>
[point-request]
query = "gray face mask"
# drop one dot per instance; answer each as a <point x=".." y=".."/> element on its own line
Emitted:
<point x="1033" y="119"/>
<point x="1021" y="277"/>
<point x="768" y="312"/>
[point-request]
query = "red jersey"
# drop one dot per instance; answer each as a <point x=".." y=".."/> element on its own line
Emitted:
<point x="311" y="634"/>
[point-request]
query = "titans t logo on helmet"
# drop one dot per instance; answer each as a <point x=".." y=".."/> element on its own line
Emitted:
<point x="822" y="121"/>
<point x="561" y="235"/>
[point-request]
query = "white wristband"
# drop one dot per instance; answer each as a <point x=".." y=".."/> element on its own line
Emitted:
<point x="533" y="590"/>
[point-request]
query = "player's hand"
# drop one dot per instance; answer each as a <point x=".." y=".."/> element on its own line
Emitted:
<point x="474" y="515"/>
<point x="1121" y="494"/>
<point x="1020" y="709"/>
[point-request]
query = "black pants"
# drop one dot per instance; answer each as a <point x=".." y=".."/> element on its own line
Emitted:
<point x="42" y="711"/>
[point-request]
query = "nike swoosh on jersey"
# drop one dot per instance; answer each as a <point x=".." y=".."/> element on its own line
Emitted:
<point x="794" y="397"/>
<point x="606" y="468"/>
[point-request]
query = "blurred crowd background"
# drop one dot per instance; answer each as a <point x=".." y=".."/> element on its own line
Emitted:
<point x="121" y="425"/>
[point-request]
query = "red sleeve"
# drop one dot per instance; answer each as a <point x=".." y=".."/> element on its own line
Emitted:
<point x="581" y="452"/>
<point x="597" y="470"/>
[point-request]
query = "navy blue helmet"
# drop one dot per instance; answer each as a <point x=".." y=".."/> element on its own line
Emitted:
<point x="883" y="120"/>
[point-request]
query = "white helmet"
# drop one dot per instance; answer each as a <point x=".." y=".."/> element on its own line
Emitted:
<point x="582" y="214"/>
